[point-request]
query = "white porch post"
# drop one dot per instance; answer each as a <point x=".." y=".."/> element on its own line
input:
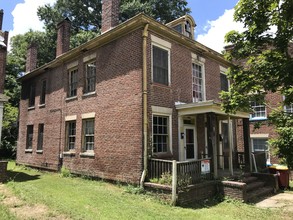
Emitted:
<point x="181" y="140"/>
<point x="230" y="146"/>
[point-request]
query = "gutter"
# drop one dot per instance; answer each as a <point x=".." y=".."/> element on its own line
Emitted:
<point x="145" y="110"/>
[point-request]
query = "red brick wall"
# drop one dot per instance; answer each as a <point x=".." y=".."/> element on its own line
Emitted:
<point x="118" y="114"/>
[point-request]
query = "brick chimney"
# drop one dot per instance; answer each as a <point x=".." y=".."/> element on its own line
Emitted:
<point x="110" y="14"/>
<point x="31" y="57"/>
<point x="63" y="37"/>
<point x="1" y="18"/>
<point x="3" y="54"/>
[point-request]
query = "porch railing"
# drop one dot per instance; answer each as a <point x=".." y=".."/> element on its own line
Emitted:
<point x="187" y="171"/>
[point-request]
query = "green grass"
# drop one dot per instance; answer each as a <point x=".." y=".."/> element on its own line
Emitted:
<point x="5" y="214"/>
<point x="80" y="198"/>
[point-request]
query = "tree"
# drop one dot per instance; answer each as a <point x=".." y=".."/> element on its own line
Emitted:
<point x="263" y="63"/>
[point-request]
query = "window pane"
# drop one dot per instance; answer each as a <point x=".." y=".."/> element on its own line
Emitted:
<point x="160" y="134"/>
<point x="29" y="137"/>
<point x="90" y="77"/>
<point x="71" y="132"/>
<point x="197" y="83"/>
<point x="89" y="130"/>
<point x="160" y="65"/>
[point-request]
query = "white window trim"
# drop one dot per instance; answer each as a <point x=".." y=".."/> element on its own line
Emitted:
<point x="88" y="115"/>
<point x="259" y="118"/>
<point x="167" y="112"/>
<point x="285" y="106"/>
<point x="72" y="65"/>
<point x="89" y="57"/>
<point x="199" y="61"/>
<point x="165" y="45"/>
<point x="70" y="118"/>
<point x="224" y="70"/>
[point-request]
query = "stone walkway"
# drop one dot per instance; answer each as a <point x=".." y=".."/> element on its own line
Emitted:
<point x="281" y="200"/>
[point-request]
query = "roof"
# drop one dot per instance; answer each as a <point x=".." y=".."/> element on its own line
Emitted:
<point x="122" y="29"/>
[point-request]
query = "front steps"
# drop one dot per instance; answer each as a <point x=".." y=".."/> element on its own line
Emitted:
<point x="251" y="187"/>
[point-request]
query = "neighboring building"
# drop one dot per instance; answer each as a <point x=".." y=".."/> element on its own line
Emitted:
<point x="140" y="90"/>
<point x="3" y="54"/>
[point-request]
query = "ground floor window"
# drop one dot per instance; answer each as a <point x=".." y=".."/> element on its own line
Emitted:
<point x="88" y="134"/>
<point x="160" y="133"/>
<point x="40" y="137"/>
<point x="29" y="137"/>
<point x="71" y="132"/>
<point x="261" y="145"/>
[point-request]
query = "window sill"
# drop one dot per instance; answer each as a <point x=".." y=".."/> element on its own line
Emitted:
<point x="68" y="99"/>
<point x="31" y="108"/>
<point x="89" y="94"/>
<point x="258" y="119"/>
<point x="39" y="151"/>
<point x="42" y="105"/>
<point x="69" y="153"/>
<point x="162" y="85"/>
<point x="28" y="151"/>
<point x="87" y="154"/>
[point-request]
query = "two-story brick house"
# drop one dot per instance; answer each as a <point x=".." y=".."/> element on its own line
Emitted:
<point x="140" y="90"/>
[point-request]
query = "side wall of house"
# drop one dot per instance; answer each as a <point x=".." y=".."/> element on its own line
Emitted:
<point x="115" y="106"/>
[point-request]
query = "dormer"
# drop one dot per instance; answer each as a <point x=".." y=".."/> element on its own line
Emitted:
<point x="184" y="25"/>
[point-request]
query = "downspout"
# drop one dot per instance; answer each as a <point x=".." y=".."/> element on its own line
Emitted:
<point x="145" y="110"/>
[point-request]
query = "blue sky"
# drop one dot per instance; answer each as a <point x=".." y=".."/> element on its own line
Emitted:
<point x="214" y="18"/>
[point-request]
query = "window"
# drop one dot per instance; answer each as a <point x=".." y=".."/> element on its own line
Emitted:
<point x="259" y="111"/>
<point x="71" y="132"/>
<point x="43" y="92"/>
<point x="289" y="108"/>
<point x="40" y="137"/>
<point x="160" y="133"/>
<point x="160" y="65"/>
<point x="29" y="137"/>
<point x="188" y="29"/>
<point x="197" y="83"/>
<point x="90" y="83"/>
<point x="72" y="83"/>
<point x="259" y="144"/>
<point x="224" y="82"/>
<point x="88" y="134"/>
<point x="32" y="93"/>
<point x="178" y="28"/>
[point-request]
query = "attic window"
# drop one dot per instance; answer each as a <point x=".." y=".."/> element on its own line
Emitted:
<point x="188" y="29"/>
<point x="178" y="28"/>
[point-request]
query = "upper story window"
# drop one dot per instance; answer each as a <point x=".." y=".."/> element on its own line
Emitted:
<point x="224" y="82"/>
<point x="32" y="94"/>
<point x="72" y="82"/>
<point x="43" y="92"/>
<point x="289" y="108"/>
<point x="259" y="111"/>
<point x="29" y="136"/>
<point x="160" y="65"/>
<point x="197" y="82"/>
<point x="188" y="29"/>
<point x="40" y="137"/>
<point x="90" y="79"/>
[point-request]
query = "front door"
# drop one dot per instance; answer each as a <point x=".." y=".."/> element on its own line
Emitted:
<point x="224" y="145"/>
<point x="189" y="145"/>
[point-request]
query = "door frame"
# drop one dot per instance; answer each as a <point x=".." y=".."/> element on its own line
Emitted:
<point x="194" y="141"/>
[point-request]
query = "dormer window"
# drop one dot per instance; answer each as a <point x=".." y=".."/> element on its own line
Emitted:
<point x="184" y="25"/>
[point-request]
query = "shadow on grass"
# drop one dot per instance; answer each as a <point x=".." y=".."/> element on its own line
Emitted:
<point x="20" y="176"/>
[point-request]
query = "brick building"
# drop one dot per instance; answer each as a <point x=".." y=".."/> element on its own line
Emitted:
<point x="140" y="90"/>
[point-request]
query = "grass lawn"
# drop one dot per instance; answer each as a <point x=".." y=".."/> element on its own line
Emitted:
<point x="79" y="198"/>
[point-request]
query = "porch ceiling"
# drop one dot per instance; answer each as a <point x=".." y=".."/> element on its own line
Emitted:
<point x="206" y="107"/>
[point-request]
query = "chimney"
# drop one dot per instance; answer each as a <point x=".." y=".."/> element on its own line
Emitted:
<point x="1" y="18"/>
<point x="3" y="54"/>
<point x="110" y="14"/>
<point x="31" y="57"/>
<point x="63" y="37"/>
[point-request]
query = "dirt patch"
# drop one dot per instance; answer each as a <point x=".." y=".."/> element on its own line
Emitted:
<point x="24" y="211"/>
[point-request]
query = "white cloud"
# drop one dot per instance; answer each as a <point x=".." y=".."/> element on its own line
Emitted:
<point x="25" y="16"/>
<point x="217" y="29"/>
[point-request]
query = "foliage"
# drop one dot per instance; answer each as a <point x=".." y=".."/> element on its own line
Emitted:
<point x="65" y="172"/>
<point x="262" y="57"/>
<point x="284" y="128"/>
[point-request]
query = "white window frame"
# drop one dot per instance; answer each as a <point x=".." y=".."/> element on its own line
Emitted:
<point x="263" y="137"/>
<point x="70" y="71"/>
<point x="90" y="62"/>
<point x="288" y="108"/>
<point x="258" y="117"/>
<point x="223" y="71"/>
<point x="197" y="60"/>
<point x="165" y="45"/>
<point x="68" y="135"/>
<point x="164" y="112"/>
<point x="84" y="135"/>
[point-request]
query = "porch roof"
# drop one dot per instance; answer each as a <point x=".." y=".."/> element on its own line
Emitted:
<point x="206" y="107"/>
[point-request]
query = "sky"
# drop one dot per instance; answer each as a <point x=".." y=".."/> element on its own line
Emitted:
<point x="214" y="18"/>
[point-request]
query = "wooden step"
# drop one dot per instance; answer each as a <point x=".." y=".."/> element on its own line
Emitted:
<point x="259" y="194"/>
<point x="250" y="179"/>
<point x="254" y="185"/>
